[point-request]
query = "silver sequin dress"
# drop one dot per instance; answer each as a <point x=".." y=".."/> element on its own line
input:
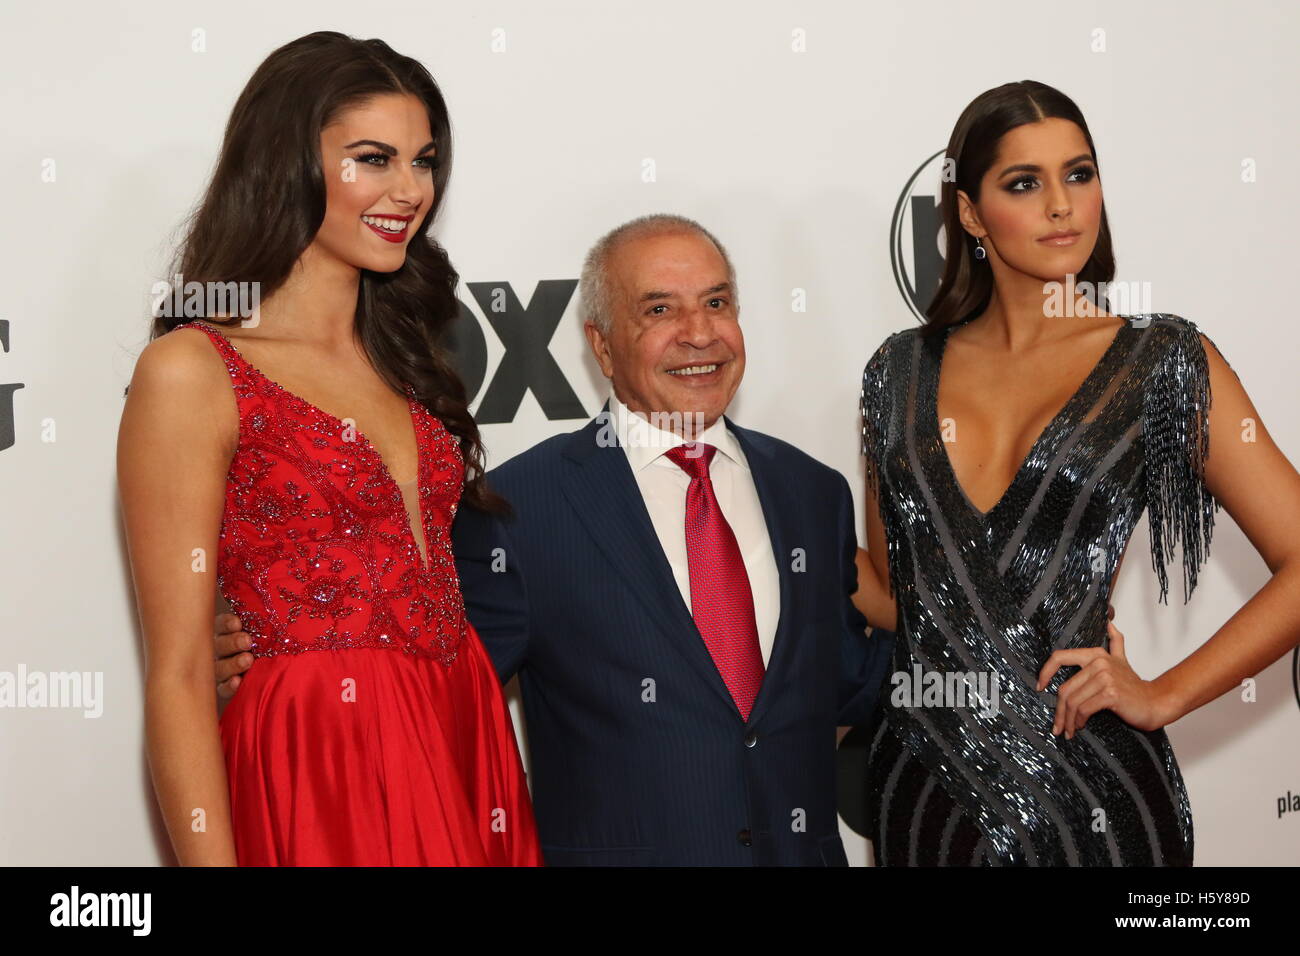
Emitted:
<point x="982" y="781"/>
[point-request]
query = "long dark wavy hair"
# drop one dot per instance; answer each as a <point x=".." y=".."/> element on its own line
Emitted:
<point x="266" y="202"/>
<point x="967" y="283"/>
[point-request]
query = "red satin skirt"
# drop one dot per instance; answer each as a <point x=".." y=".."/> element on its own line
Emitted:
<point x="374" y="757"/>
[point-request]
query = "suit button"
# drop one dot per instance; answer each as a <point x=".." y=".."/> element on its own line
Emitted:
<point x="745" y="838"/>
<point x="751" y="740"/>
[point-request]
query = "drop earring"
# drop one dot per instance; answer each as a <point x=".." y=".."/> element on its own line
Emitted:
<point x="980" y="251"/>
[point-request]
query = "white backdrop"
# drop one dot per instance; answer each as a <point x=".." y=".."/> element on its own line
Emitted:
<point x="789" y="129"/>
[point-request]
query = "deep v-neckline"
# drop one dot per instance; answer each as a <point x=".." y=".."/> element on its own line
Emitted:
<point x="1048" y="433"/>
<point x="335" y="422"/>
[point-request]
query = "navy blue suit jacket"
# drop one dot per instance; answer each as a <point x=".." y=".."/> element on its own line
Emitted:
<point x="639" y="755"/>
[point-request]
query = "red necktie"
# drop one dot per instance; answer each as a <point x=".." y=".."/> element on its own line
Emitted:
<point x="721" y="600"/>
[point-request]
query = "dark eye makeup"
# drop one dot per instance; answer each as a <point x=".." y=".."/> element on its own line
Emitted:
<point x="431" y="162"/>
<point x="1082" y="173"/>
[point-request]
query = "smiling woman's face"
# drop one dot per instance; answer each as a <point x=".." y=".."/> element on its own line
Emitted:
<point x="1042" y="183"/>
<point x="378" y="159"/>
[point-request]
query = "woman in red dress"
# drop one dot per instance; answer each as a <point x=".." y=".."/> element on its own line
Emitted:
<point x="371" y="728"/>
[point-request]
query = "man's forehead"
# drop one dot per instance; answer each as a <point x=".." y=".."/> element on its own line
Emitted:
<point x="664" y="266"/>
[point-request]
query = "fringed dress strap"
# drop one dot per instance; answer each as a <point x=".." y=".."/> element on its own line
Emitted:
<point x="1176" y="438"/>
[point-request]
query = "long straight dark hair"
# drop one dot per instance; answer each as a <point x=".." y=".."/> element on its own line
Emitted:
<point x="967" y="283"/>
<point x="266" y="202"/>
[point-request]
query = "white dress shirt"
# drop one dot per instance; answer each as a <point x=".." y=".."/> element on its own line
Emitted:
<point x="663" y="487"/>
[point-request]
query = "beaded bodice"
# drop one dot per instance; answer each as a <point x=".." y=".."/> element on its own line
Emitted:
<point x="317" y="548"/>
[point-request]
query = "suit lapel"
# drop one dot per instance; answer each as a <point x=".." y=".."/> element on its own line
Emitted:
<point x="604" y="494"/>
<point x="777" y="512"/>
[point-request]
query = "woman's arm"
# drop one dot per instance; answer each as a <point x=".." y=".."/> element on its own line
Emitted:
<point x="173" y="453"/>
<point x="872" y="596"/>
<point x="1260" y="489"/>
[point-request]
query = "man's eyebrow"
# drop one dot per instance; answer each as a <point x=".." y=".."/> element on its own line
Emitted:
<point x="386" y="149"/>
<point x="654" y="294"/>
<point x="1033" y="168"/>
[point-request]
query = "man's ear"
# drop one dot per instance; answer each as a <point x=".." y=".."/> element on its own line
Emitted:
<point x="969" y="218"/>
<point x="599" y="348"/>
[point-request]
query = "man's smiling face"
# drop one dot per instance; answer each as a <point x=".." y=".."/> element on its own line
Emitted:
<point x="674" y="343"/>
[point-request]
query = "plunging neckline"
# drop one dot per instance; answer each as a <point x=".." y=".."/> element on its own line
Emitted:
<point x="1053" y="426"/>
<point x="335" y="421"/>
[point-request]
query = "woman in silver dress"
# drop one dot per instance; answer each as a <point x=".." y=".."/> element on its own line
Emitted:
<point x="1012" y="443"/>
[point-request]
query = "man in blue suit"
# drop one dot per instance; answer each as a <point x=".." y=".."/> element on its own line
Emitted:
<point x="648" y="742"/>
<point x="673" y="591"/>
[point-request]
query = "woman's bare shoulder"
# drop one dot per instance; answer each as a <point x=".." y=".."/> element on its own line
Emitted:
<point x="181" y="372"/>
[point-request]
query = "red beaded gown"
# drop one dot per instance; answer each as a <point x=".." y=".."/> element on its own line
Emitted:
<point x="371" y="728"/>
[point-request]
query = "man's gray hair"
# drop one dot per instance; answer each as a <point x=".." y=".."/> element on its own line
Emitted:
<point x="595" y="291"/>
